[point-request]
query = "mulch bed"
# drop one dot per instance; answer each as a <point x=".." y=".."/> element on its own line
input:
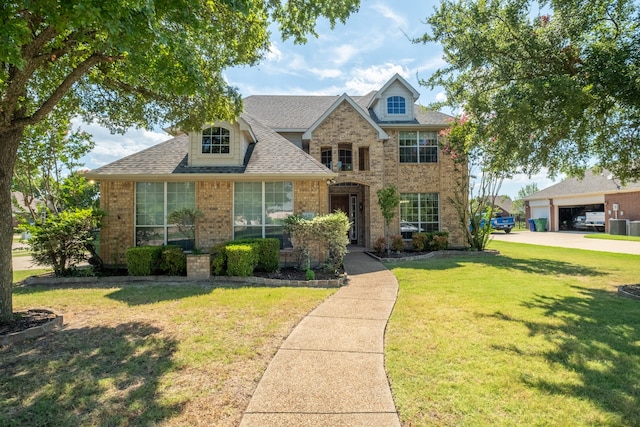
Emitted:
<point x="25" y="320"/>
<point x="291" y="273"/>
<point x="632" y="289"/>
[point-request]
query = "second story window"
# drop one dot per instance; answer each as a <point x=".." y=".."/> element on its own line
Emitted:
<point x="216" y="140"/>
<point x="345" y="159"/>
<point x="325" y="157"/>
<point x="396" y="105"/>
<point x="418" y="147"/>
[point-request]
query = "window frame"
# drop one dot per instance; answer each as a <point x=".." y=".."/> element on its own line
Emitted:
<point x="396" y="105"/>
<point x="423" y="149"/>
<point x="422" y="219"/>
<point x="326" y="160"/>
<point x="156" y="227"/>
<point x="223" y="144"/>
<point x="269" y="220"/>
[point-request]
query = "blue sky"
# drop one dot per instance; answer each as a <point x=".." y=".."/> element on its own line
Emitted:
<point x="355" y="58"/>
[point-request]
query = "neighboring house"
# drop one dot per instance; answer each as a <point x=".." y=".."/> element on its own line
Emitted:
<point x="18" y="211"/>
<point x="565" y="205"/>
<point x="287" y="155"/>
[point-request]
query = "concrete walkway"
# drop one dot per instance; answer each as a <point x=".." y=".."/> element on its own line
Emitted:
<point x="330" y="370"/>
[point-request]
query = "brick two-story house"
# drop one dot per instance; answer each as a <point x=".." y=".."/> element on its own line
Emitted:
<point x="287" y="155"/>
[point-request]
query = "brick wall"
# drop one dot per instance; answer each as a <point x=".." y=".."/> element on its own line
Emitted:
<point x="346" y="126"/>
<point x="628" y="203"/>
<point x="116" y="234"/>
<point x="215" y="200"/>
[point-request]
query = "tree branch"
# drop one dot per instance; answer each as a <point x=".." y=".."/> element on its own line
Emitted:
<point x="48" y="105"/>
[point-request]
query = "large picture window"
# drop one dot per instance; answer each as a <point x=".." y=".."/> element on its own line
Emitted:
<point x="419" y="212"/>
<point x="260" y="209"/>
<point x="418" y="147"/>
<point x="154" y="203"/>
<point x="216" y="140"/>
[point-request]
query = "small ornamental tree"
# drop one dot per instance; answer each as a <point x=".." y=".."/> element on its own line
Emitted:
<point x="474" y="195"/>
<point x="388" y="200"/>
<point x="64" y="240"/>
<point x="186" y="219"/>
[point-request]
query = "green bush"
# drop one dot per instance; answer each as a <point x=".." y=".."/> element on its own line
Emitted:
<point x="64" y="239"/>
<point x="268" y="251"/>
<point x="310" y="274"/>
<point x="380" y="244"/>
<point x="241" y="259"/>
<point x="143" y="260"/>
<point x="420" y="241"/>
<point x="173" y="261"/>
<point x="218" y="259"/>
<point x="440" y="241"/>
<point x="397" y="243"/>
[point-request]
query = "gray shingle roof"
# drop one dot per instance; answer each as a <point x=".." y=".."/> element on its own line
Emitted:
<point x="592" y="183"/>
<point x="265" y="158"/>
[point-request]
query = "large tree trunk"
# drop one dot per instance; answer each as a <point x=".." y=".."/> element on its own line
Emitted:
<point x="9" y="141"/>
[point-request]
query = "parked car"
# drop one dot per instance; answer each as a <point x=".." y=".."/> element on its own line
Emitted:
<point x="407" y="227"/>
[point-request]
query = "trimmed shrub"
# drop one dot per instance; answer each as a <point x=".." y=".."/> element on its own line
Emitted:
<point x="310" y="274"/>
<point x="380" y="244"/>
<point x="420" y="241"/>
<point x="219" y="259"/>
<point x="268" y="251"/>
<point x="397" y="243"/>
<point x="241" y="259"/>
<point x="440" y="241"/>
<point x="143" y="260"/>
<point x="173" y="261"/>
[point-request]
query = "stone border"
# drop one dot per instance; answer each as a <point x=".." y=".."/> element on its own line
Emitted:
<point x="34" y="332"/>
<point x="435" y="254"/>
<point x="622" y="292"/>
<point x="251" y="280"/>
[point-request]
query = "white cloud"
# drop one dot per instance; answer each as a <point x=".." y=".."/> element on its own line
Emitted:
<point x="110" y="147"/>
<point x="326" y="73"/>
<point x="344" y="53"/>
<point x="372" y="78"/>
<point x="386" y="11"/>
<point x="441" y="97"/>
<point x="274" y="54"/>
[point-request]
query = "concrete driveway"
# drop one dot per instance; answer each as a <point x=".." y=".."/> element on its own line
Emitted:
<point x="568" y="239"/>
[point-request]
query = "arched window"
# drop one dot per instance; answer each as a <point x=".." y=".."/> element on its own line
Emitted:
<point x="396" y="105"/>
<point x="216" y="140"/>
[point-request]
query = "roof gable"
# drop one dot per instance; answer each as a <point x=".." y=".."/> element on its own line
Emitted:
<point x="345" y="98"/>
<point x="396" y="78"/>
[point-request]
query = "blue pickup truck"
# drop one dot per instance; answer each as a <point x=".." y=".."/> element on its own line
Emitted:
<point x="505" y="223"/>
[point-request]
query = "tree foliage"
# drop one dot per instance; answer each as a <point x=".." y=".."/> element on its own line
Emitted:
<point x="476" y="183"/>
<point x="552" y="84"/>
<point x="388" y="200"/>
<point x="47" y="169"/>
<point x="65" y="239"/>
<point x="129" y="63"/>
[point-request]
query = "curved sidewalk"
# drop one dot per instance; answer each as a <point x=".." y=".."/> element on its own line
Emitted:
<point x="330" y="370"/>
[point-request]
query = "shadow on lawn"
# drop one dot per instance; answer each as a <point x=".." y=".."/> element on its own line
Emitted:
<point x="88" y="376"/>
<point x="596" y="340"/>
<point x="542" y="266"/>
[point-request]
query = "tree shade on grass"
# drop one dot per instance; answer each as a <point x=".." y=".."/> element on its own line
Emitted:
<point x="530" y="337"/>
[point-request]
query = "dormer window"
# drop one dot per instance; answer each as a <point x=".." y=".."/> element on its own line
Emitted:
<point x="216" y="140"/>
<point x="396" y="105"/>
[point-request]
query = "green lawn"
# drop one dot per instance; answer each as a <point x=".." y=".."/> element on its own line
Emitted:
<point x="604" y="236"/>
<point x="536" y="336"/>
<point x="146" y="355"/>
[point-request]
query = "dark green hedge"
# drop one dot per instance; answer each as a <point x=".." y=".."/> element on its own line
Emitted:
<point x="173" y="261"/>
<point x="143" y="260"/>
<point x="242" y="259"/>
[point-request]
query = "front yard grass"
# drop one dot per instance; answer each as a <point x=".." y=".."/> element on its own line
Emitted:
<point x="604" y="236"/>
<point x="179" y="355"/>
<point x="536" y="336"/>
